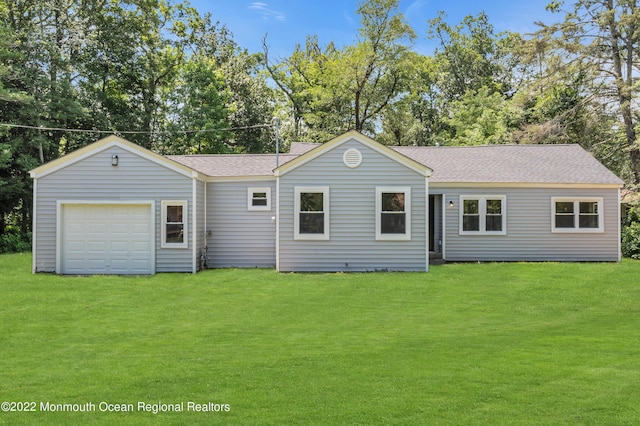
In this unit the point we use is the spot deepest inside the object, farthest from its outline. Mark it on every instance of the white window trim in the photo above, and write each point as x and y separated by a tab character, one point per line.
185	226
576	201
253	190
407	207
482	213
324	190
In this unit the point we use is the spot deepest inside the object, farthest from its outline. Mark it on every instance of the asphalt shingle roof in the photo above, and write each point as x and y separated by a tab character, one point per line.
565	164
511	164
233	165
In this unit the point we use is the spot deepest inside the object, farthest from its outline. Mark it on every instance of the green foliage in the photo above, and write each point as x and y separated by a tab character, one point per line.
481	118
631	234
472	56
330	91
142	66
201	95
13	241
599	38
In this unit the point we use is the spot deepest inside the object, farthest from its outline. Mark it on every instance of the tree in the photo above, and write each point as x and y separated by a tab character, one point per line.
465	96
330	91
601	37
480	118
198	101
471	56
251	107
135	66
415	118
302	78
375	67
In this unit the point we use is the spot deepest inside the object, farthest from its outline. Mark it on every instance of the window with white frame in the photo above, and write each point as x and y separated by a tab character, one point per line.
311	216
174	224
484	215
393	213
259	199
576	214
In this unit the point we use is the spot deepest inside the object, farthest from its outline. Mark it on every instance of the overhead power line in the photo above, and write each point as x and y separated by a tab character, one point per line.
131	132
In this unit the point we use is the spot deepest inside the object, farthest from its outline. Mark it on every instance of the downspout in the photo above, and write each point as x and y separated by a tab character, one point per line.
205	236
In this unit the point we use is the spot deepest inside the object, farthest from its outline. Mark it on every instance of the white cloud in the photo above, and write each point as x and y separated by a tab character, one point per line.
267	14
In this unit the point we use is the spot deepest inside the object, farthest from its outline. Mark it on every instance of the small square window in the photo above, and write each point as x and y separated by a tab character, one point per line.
259	199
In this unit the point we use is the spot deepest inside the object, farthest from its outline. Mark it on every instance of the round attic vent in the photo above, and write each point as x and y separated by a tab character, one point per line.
352	158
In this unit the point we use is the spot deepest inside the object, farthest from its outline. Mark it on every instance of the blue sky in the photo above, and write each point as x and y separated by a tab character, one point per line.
288	22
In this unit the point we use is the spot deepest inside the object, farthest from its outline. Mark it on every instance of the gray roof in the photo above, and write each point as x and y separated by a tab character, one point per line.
299	148
564	164
233	165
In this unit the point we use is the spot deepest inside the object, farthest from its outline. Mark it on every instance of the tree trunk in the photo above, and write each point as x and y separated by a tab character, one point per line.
356	112
624	87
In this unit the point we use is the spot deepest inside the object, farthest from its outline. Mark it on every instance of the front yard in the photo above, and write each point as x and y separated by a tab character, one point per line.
517	343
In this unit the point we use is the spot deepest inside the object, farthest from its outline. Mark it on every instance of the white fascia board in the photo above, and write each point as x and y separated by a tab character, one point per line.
107	143
437	185
240	178
358	137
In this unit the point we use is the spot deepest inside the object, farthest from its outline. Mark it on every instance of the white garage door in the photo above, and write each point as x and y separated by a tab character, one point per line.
106	239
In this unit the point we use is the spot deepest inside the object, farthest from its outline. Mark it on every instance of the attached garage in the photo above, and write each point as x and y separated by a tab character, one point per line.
116	208
106	238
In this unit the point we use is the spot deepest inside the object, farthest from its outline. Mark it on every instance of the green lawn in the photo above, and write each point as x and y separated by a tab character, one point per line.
515	343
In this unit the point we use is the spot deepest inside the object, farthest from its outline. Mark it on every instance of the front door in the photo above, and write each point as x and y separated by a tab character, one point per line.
435	223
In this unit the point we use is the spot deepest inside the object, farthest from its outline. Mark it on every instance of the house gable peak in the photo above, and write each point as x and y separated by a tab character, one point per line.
106	143
364	140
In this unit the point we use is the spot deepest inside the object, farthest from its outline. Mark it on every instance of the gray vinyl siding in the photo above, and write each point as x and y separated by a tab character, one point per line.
238	237
94	178
352	245
529	236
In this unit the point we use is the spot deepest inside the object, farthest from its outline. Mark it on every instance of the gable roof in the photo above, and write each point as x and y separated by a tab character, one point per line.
507	164
545	164
299	148
106	143
233	165
410	163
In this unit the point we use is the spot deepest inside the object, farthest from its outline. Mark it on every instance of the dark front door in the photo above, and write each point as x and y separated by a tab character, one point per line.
432	223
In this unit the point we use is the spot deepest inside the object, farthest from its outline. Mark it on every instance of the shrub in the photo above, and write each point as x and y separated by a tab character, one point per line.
15	242
631	234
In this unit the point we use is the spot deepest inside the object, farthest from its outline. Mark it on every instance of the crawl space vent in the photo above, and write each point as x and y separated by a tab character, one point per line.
352	158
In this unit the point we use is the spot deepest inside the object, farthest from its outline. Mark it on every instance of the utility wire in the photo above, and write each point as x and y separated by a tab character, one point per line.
132	132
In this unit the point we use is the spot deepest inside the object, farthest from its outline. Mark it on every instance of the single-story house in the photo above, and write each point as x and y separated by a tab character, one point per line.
350	204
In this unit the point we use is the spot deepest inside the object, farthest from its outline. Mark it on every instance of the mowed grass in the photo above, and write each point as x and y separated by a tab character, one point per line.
515	343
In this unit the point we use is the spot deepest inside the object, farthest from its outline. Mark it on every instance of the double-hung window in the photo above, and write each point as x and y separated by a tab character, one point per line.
393	213
174	224
576	214
311	215
259	199
484	214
